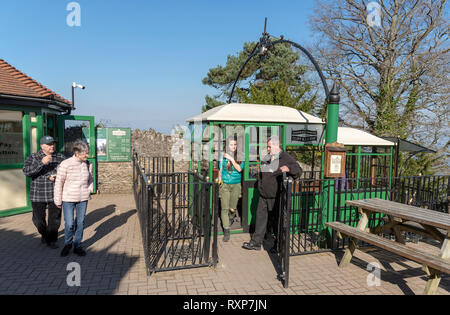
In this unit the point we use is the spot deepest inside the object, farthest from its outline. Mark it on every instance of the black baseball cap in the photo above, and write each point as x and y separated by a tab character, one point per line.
47	140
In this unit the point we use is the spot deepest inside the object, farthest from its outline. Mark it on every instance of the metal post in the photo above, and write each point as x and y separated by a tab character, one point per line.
331	136
333	114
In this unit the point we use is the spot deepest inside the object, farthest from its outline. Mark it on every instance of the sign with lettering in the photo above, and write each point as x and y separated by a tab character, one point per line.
113	144
335	155
303	134
11	137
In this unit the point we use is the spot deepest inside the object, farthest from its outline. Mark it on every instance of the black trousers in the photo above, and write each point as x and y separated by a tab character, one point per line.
48	231
266	215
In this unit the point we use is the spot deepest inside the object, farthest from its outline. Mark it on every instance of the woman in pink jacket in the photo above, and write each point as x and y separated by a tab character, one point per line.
73	186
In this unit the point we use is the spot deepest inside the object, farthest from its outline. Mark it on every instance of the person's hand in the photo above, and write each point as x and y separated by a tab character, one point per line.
59	206
284	169
52	178
46	159
228	157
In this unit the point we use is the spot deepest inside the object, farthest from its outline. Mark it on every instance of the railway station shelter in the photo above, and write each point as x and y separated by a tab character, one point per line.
301	134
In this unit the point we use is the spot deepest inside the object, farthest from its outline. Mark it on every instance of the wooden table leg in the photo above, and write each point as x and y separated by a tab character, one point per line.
387	227
435	276
398	234
353	242
394	224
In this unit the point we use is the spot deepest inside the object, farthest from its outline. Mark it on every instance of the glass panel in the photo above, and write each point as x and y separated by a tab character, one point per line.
258	137
51	125
253	144
237	131
253	171
33	140
11	137
75	130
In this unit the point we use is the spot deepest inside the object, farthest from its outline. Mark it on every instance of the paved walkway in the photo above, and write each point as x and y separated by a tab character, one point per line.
115	264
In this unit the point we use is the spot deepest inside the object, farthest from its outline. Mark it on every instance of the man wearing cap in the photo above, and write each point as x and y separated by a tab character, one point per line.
41	167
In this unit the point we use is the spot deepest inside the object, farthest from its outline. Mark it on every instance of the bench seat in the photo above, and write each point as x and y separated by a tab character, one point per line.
426	259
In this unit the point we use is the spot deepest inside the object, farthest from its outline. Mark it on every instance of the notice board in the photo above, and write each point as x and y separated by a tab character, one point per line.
113	144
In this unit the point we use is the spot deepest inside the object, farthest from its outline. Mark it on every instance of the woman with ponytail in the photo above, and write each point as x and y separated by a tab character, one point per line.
230	176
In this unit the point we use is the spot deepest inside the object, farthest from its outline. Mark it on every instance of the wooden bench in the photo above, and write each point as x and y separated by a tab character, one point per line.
429	260
401	218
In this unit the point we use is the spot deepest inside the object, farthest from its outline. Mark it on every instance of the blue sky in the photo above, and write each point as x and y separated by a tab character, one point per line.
142	61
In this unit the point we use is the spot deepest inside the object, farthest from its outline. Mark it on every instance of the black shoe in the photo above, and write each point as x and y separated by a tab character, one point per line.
226	235
79	251
66	250
251	246
52	245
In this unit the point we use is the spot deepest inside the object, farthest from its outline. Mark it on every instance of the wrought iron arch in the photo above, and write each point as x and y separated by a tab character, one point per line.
263	47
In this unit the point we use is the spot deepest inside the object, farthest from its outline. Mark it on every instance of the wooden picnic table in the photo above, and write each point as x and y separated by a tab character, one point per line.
401	217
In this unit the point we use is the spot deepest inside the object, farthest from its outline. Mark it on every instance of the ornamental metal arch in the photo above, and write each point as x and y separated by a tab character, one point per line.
263	47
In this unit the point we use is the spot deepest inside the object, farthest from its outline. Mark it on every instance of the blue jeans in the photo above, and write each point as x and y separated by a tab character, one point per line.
74	228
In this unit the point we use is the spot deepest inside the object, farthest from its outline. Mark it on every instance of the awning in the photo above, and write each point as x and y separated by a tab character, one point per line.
256	113
408	146
352	136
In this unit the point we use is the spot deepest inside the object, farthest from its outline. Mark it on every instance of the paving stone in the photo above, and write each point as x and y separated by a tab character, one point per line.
115	264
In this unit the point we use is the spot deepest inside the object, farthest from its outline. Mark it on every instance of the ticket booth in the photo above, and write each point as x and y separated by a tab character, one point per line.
28	111
253	125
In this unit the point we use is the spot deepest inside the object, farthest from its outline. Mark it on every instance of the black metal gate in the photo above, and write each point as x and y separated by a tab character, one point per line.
178	218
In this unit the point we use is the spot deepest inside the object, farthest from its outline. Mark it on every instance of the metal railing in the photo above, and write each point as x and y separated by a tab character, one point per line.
315	201
156	164
178	214
431	192
307	203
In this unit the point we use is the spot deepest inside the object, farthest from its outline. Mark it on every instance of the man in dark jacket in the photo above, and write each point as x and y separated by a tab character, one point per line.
273	166
41	167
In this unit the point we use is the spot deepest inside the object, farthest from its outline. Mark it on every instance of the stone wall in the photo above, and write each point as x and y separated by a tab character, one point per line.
116	177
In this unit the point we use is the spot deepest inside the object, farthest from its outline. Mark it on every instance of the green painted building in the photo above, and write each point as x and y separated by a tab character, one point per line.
28	111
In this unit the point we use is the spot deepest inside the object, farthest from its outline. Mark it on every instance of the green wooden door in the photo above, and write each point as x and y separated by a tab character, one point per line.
72	128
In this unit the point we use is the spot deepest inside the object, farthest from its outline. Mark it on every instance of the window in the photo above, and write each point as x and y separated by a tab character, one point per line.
11	137
258	137
75	130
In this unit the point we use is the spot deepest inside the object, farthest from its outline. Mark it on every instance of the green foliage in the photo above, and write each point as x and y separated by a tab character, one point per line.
211	103
421	163
275	79
277	93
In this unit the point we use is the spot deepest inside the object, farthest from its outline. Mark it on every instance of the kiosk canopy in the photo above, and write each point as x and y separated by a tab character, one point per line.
256	113
352	136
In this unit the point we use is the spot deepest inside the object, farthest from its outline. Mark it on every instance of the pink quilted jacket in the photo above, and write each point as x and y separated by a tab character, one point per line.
74	182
